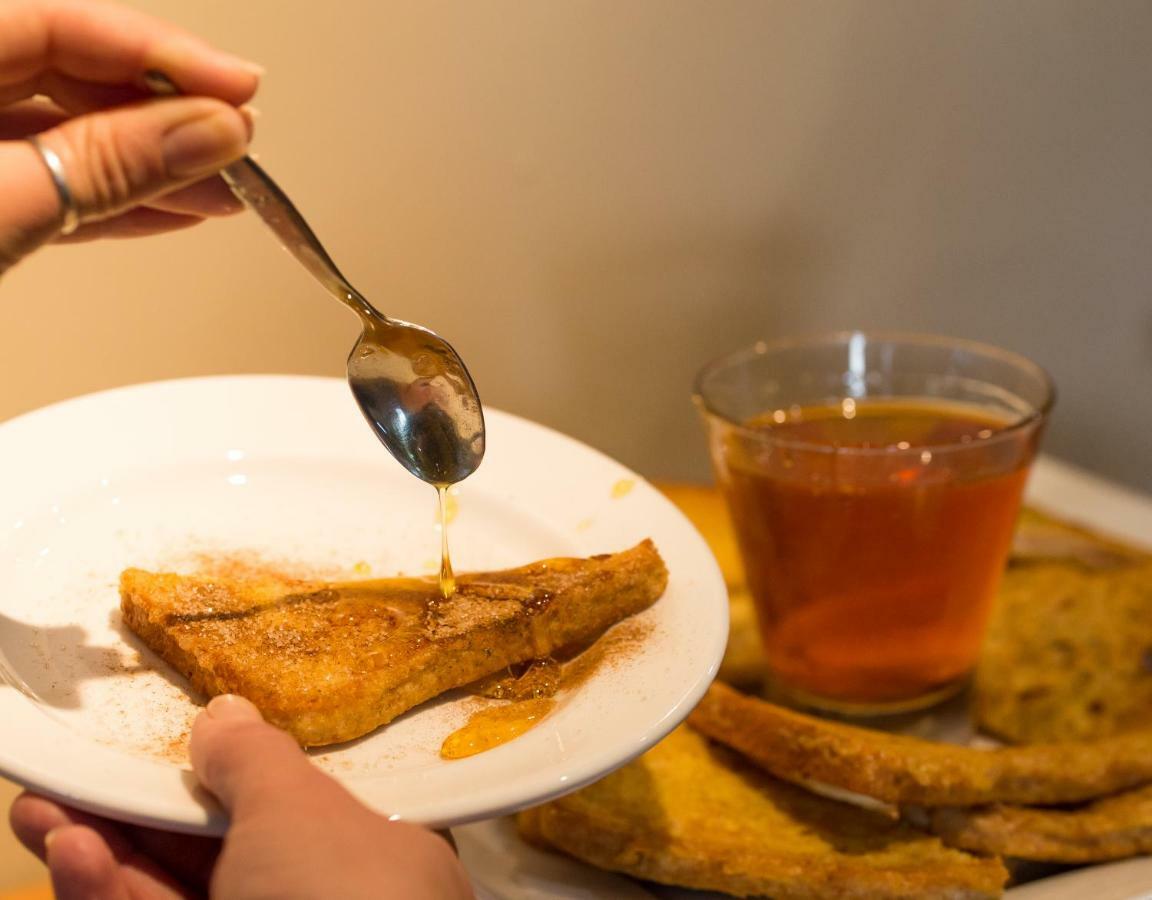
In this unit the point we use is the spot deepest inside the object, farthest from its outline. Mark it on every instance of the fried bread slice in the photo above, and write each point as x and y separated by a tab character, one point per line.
1068	653
911	771
1111	828
331	662
1041	537
693	814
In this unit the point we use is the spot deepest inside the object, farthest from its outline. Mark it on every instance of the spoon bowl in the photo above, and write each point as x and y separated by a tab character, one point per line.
410	384
418	399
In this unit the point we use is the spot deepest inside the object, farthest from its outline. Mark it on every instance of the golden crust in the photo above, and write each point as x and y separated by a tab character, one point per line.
1068	653
910	771
1111	828
1045	538
692	814
329	663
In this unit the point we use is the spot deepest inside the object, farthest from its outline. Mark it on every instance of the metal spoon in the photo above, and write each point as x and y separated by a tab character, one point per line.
412	387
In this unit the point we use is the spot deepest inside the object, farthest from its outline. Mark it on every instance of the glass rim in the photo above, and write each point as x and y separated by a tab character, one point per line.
762	348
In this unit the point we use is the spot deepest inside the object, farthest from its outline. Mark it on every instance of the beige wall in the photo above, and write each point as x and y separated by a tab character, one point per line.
591	198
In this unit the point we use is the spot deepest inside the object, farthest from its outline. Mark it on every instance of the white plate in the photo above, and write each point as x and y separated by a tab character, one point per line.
505	868
284	466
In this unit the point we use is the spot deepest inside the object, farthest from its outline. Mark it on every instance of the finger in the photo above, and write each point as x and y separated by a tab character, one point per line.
82	867
172	212
188	857
73	94
114	160
210	197
34	817
118	158
138	222
50	108
78	96
29	117
252	767
109	44
153	862
296	826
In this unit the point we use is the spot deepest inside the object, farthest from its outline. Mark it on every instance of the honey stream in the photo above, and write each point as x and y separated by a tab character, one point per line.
531	688
447	577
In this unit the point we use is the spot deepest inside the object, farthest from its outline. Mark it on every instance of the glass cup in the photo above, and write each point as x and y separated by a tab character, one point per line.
874	482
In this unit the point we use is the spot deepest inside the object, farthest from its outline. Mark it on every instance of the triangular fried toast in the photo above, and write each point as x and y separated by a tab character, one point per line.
331	662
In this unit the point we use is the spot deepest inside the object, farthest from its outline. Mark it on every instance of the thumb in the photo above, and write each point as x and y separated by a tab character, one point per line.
253	767
82	865
115	159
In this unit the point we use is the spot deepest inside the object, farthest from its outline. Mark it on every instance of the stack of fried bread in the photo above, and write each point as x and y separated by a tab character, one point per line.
741	800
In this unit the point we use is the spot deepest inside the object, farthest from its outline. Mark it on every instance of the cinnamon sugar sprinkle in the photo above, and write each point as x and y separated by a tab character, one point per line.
318	605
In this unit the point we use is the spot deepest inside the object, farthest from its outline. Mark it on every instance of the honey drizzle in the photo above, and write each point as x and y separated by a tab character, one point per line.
532	686
447	577
494	726
538	678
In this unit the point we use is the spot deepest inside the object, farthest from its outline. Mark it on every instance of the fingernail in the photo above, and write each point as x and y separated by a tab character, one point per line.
50	837
246	64
204	145
250	114
255	68
230	708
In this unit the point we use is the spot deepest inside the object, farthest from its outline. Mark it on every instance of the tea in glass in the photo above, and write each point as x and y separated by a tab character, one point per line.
874	484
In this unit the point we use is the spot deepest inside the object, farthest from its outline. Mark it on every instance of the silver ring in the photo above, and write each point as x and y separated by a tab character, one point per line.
68	210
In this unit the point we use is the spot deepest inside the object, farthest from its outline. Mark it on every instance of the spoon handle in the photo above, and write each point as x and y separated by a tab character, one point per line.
264	197
260	193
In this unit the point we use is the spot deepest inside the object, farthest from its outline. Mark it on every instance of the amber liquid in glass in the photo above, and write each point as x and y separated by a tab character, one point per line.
874	573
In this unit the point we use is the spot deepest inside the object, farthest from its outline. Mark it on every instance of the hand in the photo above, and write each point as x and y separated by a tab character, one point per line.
295	833
71	71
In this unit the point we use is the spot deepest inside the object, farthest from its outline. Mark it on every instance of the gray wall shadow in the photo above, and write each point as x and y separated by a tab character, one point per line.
50	663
